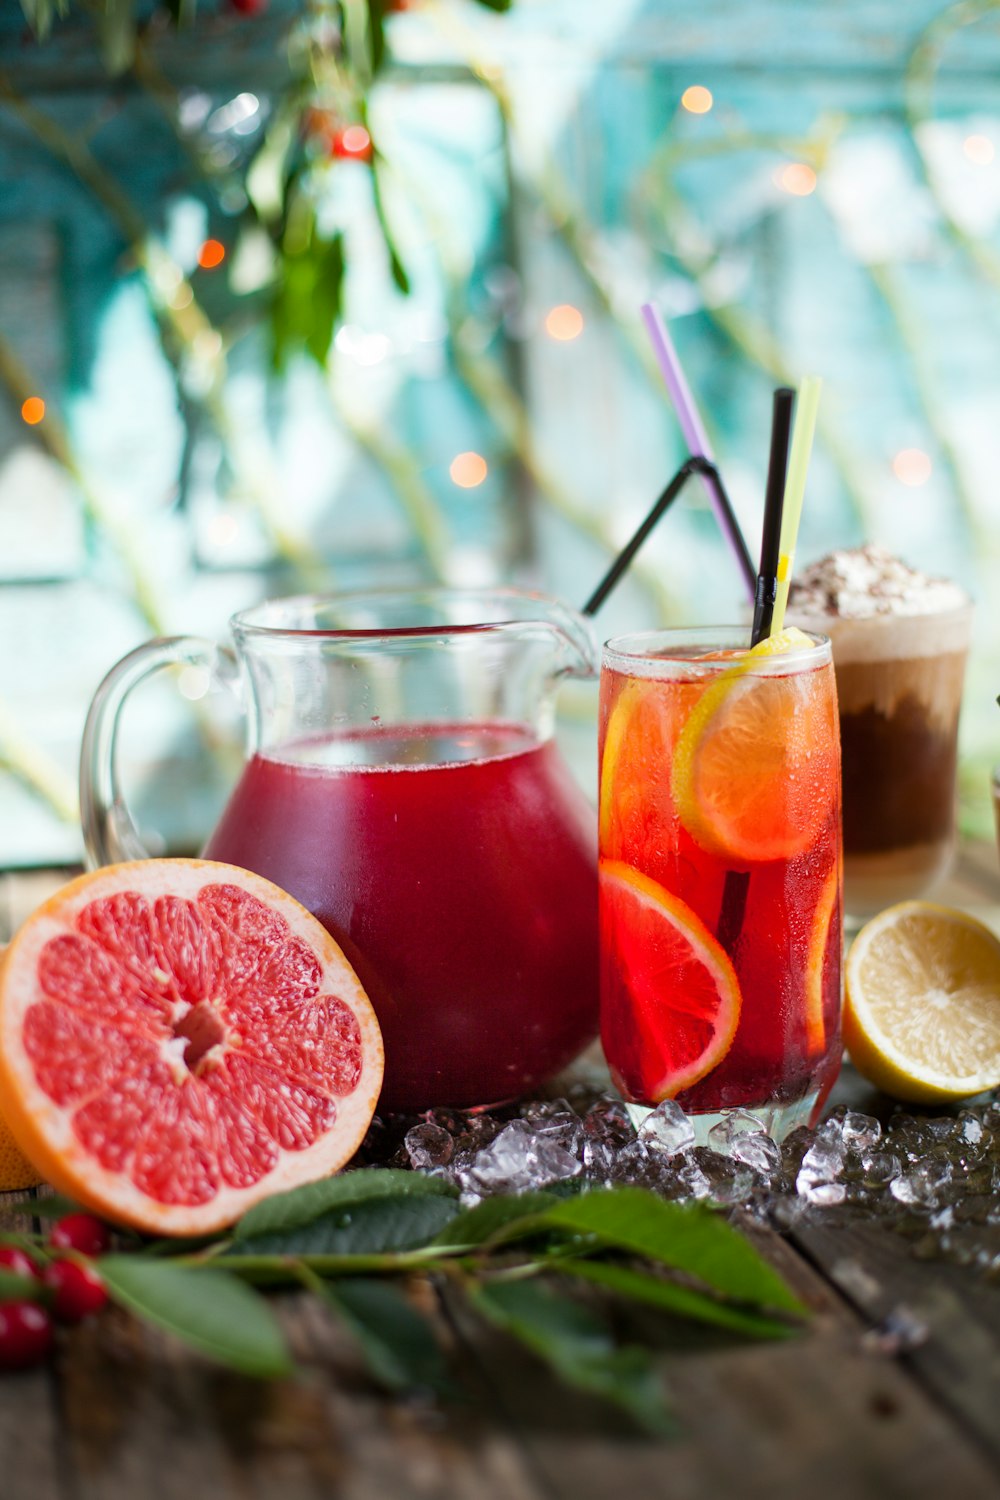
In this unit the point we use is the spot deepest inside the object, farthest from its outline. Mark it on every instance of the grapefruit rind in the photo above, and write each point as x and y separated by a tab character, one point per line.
43	1129
16	1171
707	951
963	991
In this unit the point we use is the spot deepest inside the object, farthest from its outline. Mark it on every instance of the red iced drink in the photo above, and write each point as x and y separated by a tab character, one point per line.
720	875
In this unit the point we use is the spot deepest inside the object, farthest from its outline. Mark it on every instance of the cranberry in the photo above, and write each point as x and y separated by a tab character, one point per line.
12	1259
78	1290
25	1334
82	1233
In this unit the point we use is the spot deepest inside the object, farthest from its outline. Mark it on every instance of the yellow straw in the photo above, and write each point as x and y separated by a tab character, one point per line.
803	429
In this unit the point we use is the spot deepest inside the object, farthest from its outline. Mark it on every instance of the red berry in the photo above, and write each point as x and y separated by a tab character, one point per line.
79	1291
248	7
12	1259
25	1334
82	1233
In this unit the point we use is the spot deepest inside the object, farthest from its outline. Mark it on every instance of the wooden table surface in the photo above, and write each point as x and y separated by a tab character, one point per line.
123	1413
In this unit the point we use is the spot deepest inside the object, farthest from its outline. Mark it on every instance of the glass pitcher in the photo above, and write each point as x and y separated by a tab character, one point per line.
403	784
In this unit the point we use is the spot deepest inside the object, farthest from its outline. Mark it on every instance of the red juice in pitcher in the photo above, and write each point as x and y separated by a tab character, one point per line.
455	864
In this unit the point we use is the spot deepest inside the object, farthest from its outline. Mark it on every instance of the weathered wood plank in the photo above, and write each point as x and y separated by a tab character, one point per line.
144	1417
960	1360
815	1416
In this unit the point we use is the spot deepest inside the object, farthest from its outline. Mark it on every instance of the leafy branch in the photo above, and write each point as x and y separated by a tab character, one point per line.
528	1265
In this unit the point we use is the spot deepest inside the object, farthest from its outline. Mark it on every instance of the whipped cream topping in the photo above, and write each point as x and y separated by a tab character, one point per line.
858	583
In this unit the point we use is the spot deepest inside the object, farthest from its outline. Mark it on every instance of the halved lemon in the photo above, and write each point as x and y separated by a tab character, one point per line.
670	999
755	767
922	1018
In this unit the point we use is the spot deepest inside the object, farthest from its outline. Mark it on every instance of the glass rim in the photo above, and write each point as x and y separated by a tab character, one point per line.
671	650
288	615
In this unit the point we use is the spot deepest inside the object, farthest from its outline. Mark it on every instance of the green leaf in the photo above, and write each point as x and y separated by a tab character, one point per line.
208	1309
116	21
475	1226
577	1346
376	33
688	1237
398	1343
51	1206
303	1204
306	304
15	1288
683	1301
357	39
498	5
396	266
374	1226
328	283
41	13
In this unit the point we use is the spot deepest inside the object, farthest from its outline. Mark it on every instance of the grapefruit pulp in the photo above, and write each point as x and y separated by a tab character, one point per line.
179	1039
670	999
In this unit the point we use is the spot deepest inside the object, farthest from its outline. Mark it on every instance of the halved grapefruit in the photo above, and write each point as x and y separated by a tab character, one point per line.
179	1039
670	998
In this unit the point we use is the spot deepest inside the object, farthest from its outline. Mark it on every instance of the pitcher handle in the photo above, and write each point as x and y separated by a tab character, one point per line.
109	833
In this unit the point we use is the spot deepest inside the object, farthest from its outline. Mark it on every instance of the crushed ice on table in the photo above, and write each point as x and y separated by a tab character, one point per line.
932	1178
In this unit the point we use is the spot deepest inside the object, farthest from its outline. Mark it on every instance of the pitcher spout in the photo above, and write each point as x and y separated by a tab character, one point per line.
577	653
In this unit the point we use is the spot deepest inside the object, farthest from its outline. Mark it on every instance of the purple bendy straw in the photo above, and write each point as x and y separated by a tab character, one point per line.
696	438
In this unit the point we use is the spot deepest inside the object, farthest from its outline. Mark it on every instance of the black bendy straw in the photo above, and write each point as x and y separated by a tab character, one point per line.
774	499
736	886
693	465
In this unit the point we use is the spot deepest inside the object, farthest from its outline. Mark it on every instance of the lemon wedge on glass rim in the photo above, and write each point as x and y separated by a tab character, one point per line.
922	1011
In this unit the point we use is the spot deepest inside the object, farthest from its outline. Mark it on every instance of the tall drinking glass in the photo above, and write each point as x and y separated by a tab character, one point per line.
720	875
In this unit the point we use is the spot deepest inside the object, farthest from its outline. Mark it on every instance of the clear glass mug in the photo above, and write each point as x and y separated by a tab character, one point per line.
720	875
402	782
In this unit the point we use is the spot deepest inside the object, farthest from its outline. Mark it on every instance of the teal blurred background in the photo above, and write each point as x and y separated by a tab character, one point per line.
826	200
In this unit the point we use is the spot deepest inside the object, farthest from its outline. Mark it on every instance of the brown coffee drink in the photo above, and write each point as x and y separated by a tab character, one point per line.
900	641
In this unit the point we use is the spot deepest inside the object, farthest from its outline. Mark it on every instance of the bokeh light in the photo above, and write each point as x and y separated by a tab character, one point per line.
797	178
355	141
564	322
979	149
211	254
912	466
697	99
193	682
468	469
33	410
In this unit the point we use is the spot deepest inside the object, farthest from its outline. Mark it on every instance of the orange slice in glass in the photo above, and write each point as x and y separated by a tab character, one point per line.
819	939
755	766
635	781
670	997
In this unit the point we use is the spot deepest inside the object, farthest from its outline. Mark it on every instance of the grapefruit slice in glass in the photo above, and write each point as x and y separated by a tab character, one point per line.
179	1039
670	999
